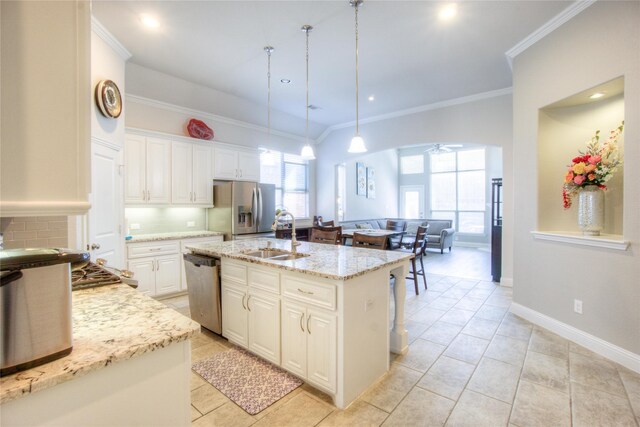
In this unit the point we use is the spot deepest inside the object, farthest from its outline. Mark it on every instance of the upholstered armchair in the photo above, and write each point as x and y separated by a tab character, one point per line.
440	234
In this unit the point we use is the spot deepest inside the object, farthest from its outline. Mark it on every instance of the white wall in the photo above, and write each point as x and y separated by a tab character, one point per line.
598	45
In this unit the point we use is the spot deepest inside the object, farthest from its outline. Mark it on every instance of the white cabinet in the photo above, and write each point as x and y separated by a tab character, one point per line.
251	315
46	98
236	164
183	250
191	174
156	267
147	163
309	344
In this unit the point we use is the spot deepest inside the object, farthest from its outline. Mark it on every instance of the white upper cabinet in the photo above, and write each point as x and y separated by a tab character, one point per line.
237	164
147	164
192	174
46	100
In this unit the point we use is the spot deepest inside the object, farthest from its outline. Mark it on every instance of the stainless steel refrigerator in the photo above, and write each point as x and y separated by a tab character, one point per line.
242	208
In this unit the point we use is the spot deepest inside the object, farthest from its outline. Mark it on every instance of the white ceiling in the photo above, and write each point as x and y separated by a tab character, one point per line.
408	57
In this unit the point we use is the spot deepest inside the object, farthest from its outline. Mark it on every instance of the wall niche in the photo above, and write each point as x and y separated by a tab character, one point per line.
564	128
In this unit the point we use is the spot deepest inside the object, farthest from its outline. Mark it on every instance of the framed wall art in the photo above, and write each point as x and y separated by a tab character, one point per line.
371	183
361	179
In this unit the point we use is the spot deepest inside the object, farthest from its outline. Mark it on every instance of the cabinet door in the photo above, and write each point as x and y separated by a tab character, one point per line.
321	349
168	274
249	166
264	326
158	170
294	339
181	167
234	314
226	163
134	170
202	175
144	270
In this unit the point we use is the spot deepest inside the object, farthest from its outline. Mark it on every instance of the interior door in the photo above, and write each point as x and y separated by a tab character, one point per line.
412	201
106	213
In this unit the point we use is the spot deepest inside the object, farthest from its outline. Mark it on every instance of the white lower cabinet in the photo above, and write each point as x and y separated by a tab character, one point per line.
156	266
309	338
234	314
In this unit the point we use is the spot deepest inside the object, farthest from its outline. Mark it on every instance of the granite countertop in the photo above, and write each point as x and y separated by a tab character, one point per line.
330	261
173	236
110	324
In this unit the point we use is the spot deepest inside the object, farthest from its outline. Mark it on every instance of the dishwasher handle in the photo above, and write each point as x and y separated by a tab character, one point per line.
201	260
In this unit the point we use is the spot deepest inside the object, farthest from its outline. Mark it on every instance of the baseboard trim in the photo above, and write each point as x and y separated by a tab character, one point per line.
597	345
506	281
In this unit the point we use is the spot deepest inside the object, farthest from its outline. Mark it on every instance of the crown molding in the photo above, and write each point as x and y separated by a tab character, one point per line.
550	26
420	109
109	39
203	114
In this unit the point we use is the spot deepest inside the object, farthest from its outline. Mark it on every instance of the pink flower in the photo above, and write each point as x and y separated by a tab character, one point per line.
579	179
595	159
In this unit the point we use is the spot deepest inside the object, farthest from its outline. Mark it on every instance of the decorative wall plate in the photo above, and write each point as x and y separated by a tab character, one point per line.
108	98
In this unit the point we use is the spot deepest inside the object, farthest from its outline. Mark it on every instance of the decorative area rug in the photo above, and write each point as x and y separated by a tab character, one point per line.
250	382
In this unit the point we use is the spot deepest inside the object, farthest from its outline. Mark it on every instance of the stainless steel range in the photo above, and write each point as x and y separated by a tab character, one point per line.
93	275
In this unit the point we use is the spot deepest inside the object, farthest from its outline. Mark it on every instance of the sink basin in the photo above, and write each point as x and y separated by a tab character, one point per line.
275	254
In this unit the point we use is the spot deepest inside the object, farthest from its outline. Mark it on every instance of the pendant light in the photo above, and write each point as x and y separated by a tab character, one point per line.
307	150
357	143
268	157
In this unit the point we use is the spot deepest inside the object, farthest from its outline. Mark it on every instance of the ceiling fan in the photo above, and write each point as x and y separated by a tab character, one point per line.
441	148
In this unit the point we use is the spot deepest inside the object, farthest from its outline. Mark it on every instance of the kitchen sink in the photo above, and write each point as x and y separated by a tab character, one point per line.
275	254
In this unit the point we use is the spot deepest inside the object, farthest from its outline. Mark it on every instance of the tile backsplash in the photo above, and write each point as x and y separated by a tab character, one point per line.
34	232
164	220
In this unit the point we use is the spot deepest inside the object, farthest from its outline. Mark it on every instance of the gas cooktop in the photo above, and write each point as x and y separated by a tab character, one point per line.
92	275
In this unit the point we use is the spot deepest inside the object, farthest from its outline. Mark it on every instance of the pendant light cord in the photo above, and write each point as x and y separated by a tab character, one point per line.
306	133
357	112
269	49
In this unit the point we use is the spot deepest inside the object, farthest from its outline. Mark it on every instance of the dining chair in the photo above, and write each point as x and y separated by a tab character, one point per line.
418	249
370	242
322	235
332	228
396	241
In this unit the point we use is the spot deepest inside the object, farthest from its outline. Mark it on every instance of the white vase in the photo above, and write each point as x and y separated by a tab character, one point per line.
591	210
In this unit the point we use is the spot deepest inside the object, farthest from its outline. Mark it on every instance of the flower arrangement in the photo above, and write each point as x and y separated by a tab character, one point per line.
594	167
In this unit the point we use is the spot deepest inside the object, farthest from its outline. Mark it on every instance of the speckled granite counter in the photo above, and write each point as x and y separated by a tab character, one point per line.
329	261
110	324
173	236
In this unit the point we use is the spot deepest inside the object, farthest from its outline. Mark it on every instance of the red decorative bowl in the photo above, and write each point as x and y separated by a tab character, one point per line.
198	129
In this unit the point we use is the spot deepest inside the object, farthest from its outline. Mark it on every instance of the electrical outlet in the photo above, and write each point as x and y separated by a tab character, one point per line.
191	223
577	306
134	226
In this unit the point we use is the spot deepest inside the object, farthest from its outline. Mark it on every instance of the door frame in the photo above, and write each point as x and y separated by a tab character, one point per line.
403	189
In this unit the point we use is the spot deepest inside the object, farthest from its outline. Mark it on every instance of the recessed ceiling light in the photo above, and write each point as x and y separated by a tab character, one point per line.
448	11
286	81
371	98
149	21
597	95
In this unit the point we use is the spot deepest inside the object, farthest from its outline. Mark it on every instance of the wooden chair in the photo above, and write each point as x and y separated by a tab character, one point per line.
332	228
326	223
322	235
371	242
395	242
418	249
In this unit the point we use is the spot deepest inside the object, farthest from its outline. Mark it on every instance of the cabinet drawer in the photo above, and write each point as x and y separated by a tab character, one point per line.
264	279
233	271
144	250
319	294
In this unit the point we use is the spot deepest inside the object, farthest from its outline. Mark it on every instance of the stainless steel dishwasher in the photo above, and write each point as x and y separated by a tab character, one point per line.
203	283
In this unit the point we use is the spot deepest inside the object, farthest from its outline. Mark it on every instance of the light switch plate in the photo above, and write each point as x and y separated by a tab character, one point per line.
134	226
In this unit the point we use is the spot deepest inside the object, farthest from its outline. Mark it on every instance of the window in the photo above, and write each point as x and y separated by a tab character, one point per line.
412	164
341	191
458	189
290	174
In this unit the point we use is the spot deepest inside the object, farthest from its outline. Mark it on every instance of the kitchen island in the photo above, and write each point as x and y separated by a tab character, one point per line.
324	315
130	365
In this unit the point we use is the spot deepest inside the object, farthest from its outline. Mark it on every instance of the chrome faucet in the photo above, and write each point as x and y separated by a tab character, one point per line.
294	242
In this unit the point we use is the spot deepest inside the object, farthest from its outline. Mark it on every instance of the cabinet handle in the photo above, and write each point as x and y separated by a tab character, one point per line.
243	297
305	292
194	196
240	173
153	266
190	196
158	264
154	249
248	307
301	317
144	195
308	329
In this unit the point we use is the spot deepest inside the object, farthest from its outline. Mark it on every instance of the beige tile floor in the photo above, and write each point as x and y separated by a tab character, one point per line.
470	363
